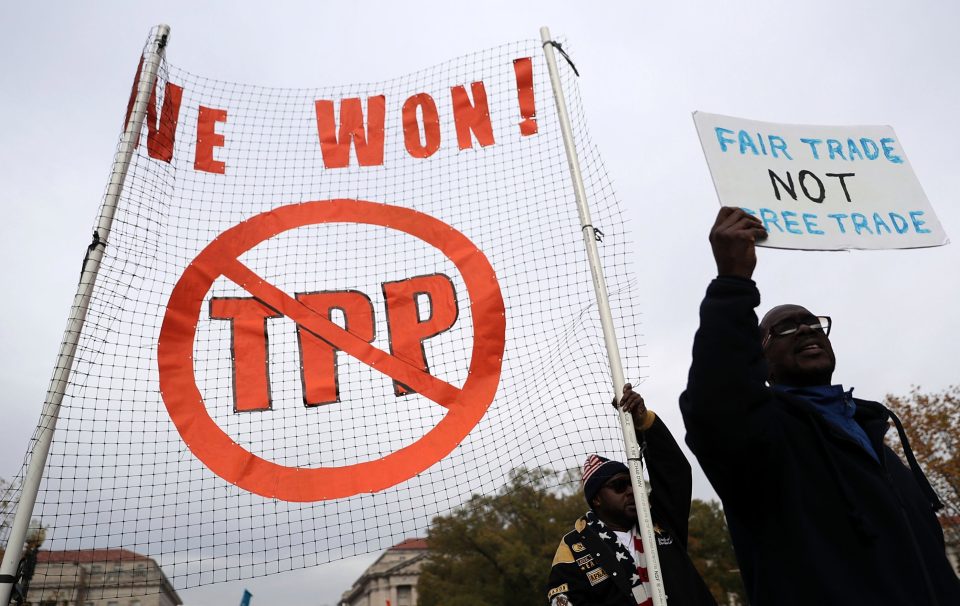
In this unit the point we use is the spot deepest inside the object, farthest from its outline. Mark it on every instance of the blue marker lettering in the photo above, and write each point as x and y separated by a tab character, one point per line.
777	142
810	224
835	149
763	147
749	211
746	141
723	142
852	149
887	144
860	223
839	218
878	223
769	218
870	148
899	223
790	223
813	143
917	223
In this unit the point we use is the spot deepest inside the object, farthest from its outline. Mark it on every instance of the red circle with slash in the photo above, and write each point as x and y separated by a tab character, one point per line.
231	461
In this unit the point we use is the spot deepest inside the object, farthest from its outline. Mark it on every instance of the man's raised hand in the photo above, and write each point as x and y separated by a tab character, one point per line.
733	237
633	403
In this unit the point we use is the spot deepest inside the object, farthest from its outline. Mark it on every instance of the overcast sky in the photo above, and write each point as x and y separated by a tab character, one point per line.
67	67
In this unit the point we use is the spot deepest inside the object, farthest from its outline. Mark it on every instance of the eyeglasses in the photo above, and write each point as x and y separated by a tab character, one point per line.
619	485
789	327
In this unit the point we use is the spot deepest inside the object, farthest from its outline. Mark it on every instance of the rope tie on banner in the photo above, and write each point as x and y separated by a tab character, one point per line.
560	50
597	234
92	246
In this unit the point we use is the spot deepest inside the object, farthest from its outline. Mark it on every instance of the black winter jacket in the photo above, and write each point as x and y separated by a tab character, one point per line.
585	571
814	519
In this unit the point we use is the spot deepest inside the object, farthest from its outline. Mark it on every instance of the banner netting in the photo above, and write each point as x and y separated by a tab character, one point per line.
121	473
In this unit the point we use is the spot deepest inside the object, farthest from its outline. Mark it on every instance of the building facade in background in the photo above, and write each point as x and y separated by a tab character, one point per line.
392	579
99	577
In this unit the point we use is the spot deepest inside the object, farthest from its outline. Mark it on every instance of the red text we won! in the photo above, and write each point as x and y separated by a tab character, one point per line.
346	128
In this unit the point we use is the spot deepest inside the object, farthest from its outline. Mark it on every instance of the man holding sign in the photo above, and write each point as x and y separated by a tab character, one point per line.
820	510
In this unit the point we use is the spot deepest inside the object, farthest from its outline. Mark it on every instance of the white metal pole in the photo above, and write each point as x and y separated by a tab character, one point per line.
609	331
58	383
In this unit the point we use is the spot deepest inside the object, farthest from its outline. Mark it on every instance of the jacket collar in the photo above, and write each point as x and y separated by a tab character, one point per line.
875	420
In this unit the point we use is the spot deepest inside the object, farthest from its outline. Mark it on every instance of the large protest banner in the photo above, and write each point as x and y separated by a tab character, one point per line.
820	187
325	316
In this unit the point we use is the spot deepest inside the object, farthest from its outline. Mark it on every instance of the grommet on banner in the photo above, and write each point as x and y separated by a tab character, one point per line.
562	52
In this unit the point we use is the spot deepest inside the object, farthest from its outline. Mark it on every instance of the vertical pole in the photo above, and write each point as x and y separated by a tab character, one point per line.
609	332
78	313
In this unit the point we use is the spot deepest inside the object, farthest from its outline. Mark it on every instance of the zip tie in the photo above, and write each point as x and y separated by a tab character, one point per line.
597	234
559	48
95	242
90	248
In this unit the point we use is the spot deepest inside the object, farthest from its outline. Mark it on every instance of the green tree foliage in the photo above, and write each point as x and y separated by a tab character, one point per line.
497	550
932	423
37	532
711	551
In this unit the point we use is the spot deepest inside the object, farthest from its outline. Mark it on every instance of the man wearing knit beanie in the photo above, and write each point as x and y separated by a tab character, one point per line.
601	561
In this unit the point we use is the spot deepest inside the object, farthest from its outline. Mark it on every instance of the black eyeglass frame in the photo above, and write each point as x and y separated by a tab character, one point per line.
620	485
823	324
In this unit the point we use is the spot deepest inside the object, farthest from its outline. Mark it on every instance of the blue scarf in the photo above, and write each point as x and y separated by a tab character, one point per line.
836	407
